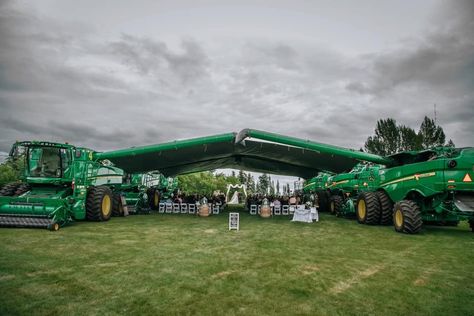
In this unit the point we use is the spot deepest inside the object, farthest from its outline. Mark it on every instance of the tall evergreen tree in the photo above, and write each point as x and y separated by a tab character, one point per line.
386	139
263	184
241	176
409	139
431	135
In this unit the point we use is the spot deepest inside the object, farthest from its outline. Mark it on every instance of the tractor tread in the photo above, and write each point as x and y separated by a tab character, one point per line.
386	208
338	202
9	189
22	188
94	203
372	207
117	207
323	200
412	221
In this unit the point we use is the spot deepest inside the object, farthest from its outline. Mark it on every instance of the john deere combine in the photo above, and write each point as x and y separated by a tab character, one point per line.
61	183
344	189
427	186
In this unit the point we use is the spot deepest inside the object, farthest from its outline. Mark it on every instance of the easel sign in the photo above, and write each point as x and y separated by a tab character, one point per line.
234	221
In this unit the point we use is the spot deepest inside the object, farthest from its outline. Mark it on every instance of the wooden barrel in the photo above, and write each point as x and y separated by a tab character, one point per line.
204	210
265	211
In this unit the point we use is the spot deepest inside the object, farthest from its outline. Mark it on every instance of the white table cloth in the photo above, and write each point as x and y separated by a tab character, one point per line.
305	215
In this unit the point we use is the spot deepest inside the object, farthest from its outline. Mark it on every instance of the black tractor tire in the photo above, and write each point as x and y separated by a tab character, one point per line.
9	189
368	208
323	200
407	217
22	188
117	207
386	208
153	198
335	204
99	204
471	224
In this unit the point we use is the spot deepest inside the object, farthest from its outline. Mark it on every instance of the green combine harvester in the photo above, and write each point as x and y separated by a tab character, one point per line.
431	186
344	189
62	183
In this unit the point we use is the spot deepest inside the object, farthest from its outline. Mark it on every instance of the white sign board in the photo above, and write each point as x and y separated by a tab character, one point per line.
234	221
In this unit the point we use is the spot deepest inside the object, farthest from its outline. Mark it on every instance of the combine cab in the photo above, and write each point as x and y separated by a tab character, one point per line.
61	183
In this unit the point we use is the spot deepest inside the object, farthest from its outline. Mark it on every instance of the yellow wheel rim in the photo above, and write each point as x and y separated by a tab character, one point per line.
56	226
106	205
398	218
156	200
361	209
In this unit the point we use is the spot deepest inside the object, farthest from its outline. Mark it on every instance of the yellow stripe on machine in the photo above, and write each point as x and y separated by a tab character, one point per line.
412	177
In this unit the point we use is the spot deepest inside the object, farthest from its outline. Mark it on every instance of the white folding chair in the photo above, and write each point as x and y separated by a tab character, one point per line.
192	208
161	208
253	209
292	209
184	208
169	208
284	210
277	210
259	207
176	208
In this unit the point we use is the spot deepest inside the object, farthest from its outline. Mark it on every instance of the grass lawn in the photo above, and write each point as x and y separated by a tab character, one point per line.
164	264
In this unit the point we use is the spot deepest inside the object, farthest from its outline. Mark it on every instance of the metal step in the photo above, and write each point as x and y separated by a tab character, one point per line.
24	221
464	201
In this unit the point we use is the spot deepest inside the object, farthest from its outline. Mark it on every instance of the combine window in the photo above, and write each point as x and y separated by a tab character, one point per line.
49	162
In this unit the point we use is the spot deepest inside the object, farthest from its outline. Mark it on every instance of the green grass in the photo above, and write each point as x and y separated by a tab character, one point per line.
181	264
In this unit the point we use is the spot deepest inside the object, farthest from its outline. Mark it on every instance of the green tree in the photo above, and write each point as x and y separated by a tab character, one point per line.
278	187
263	184
431	135
242	178
11	170
409	139
386	140
391	138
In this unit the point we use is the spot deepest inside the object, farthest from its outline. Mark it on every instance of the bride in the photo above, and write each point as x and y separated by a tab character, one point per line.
235	198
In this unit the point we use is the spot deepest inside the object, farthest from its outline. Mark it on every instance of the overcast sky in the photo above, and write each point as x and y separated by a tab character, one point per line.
114	74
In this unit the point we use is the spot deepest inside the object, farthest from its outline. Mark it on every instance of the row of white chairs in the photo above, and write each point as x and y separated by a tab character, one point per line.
276	210
184	208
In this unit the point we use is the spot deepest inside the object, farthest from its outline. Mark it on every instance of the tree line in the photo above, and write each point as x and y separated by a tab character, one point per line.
391	138
210	181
